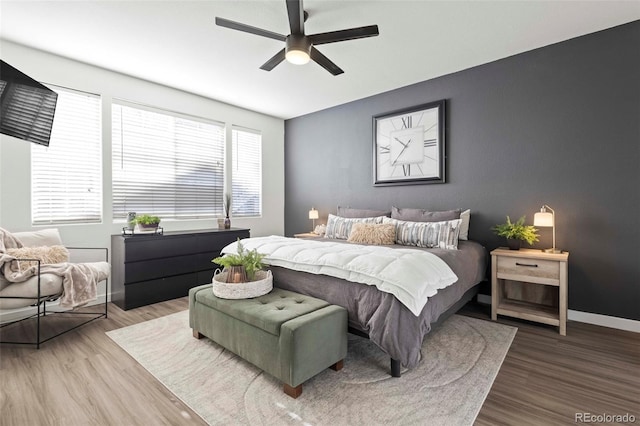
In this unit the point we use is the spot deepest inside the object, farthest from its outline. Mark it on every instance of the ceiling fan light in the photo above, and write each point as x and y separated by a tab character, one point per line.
298	49
297	57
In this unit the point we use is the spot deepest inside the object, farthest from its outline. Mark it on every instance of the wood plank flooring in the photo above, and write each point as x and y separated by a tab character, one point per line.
547	378
83	378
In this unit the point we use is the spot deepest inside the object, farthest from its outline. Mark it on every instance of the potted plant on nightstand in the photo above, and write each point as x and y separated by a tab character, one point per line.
516	233
242	276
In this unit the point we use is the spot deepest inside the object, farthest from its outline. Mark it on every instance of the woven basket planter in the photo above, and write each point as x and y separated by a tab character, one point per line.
263	284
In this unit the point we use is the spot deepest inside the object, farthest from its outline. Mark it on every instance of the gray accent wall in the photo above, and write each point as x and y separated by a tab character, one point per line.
559	125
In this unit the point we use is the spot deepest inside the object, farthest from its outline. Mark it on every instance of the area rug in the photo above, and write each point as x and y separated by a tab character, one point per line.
460	360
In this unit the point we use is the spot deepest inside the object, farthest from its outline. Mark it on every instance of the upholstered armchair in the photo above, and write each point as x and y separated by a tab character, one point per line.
37	269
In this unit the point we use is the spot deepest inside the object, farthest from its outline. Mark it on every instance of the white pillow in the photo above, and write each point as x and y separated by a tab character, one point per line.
340	227
465	216
44	237
442	235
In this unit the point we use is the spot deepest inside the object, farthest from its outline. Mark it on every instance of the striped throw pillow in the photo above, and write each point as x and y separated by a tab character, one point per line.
340	227
442	235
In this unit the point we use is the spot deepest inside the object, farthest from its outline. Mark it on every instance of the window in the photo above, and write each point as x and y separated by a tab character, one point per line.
246	173
166	164
66	177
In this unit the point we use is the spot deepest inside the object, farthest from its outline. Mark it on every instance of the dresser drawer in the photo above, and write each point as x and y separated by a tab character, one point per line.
529	270
215	243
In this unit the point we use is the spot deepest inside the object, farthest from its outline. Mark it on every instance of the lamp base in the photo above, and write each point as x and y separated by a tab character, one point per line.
552	250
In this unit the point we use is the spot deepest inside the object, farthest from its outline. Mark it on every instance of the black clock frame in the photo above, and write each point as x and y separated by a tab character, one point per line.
441	145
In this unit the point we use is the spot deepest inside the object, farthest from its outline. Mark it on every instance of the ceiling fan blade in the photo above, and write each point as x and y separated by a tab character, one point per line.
248	29
325	62
275	60
296	16
342	35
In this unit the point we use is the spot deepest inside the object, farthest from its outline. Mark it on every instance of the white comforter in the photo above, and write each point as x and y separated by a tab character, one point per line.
412	276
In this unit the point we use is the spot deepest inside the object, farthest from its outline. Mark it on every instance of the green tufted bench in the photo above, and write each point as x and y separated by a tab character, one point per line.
288	335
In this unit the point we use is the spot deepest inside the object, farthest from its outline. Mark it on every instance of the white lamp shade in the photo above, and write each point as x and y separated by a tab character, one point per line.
297	57
313	214
543	219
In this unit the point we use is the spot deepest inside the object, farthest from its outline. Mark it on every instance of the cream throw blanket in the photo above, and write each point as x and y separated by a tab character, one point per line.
79	280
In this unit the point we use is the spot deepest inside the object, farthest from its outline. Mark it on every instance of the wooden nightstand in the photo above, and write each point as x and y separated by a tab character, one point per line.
307	235
531	285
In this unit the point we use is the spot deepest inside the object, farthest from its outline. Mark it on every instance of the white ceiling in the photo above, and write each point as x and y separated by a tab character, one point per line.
176	43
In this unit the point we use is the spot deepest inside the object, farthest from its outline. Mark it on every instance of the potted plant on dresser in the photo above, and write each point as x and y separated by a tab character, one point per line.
147	222
516	233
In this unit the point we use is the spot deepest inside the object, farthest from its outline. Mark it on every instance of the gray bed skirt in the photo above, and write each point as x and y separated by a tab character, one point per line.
379	315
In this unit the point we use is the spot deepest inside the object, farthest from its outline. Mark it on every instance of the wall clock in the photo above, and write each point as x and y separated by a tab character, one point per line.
408	146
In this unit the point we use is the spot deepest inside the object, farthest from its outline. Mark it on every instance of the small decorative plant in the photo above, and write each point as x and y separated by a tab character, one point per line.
227	205
147	220
227	210
517	231
251	260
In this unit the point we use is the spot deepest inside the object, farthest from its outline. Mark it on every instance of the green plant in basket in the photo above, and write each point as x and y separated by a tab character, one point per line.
517	231
250	259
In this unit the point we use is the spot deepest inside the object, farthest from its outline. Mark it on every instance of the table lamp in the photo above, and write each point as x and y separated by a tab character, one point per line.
544	218
313	215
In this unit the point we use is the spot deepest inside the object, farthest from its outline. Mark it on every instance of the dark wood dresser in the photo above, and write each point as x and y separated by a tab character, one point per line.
152	268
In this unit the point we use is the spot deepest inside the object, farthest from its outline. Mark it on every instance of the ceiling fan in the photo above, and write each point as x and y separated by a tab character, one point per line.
299	47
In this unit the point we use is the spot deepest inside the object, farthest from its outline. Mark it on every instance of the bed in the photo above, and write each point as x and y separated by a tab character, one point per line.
379	315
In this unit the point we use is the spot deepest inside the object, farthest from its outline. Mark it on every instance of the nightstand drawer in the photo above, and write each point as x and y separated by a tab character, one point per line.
529	270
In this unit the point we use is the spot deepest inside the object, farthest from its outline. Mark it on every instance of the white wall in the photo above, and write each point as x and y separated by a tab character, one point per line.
15	177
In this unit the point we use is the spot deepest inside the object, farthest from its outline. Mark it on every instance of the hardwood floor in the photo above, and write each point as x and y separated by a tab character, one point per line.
83	378
546	379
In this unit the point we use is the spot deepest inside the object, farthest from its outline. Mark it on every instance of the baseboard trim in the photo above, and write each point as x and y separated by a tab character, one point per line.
588	318
605	320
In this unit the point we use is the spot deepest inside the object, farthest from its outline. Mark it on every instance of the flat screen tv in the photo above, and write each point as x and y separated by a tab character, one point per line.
26	106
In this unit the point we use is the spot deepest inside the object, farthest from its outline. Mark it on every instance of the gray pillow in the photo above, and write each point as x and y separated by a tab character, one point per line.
349	212
421	215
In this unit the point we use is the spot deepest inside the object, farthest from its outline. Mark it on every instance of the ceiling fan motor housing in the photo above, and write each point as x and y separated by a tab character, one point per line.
298	48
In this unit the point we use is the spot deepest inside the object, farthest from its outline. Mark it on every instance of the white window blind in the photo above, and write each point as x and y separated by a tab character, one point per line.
166	164
66	177
246	174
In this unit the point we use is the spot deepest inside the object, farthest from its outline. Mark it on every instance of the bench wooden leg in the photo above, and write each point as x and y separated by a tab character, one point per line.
291	391
197	334
338	365
395	368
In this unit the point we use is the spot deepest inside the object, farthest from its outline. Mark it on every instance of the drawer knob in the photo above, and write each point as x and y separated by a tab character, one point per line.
531	265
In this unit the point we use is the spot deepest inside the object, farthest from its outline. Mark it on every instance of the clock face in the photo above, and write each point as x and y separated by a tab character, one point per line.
409	146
